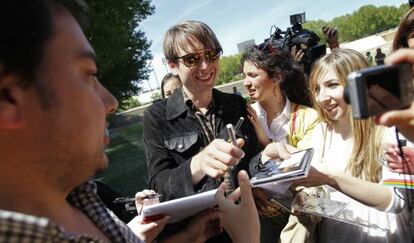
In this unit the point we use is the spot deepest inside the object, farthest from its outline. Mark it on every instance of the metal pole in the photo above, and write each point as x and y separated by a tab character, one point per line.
155	75
149	84
164	61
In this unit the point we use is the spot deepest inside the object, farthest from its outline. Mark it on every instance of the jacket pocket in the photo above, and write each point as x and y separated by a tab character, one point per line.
181	143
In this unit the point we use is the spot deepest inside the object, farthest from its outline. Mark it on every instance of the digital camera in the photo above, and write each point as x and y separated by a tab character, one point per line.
377	89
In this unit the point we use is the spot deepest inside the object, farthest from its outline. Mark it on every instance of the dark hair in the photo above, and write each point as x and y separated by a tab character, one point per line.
26	25
405	30
168	77
294	82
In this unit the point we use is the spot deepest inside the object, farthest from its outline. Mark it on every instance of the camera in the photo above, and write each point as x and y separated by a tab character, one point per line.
296	36
377	89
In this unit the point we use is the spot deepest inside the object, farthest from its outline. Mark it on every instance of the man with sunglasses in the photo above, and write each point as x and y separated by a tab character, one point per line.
186	142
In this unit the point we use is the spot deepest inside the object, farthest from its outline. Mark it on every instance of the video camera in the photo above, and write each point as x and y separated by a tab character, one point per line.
296	36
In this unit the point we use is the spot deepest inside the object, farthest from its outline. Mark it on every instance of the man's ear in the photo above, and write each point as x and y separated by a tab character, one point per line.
11	116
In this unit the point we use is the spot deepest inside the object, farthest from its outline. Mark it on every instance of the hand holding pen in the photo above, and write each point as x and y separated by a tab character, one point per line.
215	159
141	199
145	198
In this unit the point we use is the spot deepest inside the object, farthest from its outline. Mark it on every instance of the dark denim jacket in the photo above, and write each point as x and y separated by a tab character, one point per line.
173	135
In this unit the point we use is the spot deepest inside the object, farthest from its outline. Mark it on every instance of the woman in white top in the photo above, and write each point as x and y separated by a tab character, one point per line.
281	113
278	87
347	152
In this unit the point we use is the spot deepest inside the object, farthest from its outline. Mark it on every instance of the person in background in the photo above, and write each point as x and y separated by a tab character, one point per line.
379	57
52	131
280	113
331	37
170	82
370	60
235	91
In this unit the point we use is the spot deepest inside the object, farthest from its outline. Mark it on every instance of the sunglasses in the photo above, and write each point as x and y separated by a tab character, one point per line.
194	59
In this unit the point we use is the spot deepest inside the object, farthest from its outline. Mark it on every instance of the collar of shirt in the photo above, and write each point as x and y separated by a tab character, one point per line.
29	228
278	129
190	103
207	120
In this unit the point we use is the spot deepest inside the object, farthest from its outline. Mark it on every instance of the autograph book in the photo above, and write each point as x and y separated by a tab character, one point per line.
297	166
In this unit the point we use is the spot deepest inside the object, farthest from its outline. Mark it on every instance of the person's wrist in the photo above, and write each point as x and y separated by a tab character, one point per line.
333	44
194	166
332	177
197	172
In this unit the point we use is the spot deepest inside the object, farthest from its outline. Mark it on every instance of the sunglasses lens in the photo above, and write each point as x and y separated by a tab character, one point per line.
192	59
211	55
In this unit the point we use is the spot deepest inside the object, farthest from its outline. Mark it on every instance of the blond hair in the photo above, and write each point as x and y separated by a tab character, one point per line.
367	136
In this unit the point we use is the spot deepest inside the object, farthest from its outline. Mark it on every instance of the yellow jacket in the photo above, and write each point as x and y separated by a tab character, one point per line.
302	121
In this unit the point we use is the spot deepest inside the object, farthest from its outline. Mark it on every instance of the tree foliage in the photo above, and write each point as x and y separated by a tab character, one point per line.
365	21
229	68
121	46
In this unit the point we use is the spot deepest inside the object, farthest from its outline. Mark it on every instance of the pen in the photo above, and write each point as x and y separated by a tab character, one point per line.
239	124
132	199
227	175
232	134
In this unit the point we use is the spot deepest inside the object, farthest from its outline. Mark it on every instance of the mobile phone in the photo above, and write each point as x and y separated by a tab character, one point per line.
378	89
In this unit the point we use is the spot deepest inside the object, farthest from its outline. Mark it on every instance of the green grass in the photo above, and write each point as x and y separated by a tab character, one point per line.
127	171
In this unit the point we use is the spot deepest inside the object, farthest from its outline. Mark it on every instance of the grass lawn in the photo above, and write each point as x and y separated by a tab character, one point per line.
127	171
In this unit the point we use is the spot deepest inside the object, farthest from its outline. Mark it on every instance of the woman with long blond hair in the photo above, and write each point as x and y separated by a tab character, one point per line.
347	152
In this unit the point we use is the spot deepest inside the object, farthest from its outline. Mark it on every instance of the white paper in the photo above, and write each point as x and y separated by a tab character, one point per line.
181	208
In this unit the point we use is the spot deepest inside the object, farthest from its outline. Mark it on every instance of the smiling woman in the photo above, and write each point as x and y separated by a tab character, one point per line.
356	172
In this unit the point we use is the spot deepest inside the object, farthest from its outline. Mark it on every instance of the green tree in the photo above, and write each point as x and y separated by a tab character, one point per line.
365	21
229	68
121	46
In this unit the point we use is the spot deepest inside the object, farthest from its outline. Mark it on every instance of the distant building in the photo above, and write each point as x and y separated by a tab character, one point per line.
245	45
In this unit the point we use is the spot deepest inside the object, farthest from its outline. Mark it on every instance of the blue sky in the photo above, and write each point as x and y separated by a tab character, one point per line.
235	21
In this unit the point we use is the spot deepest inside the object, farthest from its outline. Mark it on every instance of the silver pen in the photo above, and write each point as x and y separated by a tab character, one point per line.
239	124
227	174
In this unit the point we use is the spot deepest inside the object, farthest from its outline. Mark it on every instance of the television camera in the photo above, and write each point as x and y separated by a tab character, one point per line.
303	39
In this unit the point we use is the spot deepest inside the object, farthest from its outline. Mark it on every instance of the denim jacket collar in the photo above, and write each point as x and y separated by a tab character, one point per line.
176	106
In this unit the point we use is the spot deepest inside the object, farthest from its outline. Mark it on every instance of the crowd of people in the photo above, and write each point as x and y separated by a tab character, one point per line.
53	113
